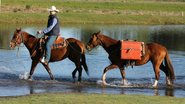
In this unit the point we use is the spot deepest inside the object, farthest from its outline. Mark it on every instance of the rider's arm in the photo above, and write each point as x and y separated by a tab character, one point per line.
48	29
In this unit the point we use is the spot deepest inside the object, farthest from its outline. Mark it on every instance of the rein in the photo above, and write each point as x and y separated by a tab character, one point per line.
22	40
101	43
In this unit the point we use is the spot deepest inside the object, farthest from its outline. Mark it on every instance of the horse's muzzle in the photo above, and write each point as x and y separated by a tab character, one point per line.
12	45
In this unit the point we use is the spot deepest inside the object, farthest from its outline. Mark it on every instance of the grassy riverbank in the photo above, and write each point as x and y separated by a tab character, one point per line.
94	11
76	98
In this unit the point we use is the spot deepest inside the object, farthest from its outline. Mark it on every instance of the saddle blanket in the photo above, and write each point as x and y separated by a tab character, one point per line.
132	50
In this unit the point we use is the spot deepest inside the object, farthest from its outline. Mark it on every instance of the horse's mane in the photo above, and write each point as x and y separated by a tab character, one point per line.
108	38
30	35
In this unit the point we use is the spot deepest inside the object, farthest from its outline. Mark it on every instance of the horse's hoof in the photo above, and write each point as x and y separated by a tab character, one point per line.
154	86
78	83
54	80
169	84
30	79
125	82
104	83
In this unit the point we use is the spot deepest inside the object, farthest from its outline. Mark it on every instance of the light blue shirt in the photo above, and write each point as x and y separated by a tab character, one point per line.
48	29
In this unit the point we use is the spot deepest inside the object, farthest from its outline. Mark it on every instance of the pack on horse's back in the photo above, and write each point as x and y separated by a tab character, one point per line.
132	51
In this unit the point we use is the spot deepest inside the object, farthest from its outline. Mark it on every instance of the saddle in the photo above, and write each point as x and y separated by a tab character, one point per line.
59	43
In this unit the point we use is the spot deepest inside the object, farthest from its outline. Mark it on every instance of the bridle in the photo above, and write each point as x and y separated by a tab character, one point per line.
100	41
97	40
19	39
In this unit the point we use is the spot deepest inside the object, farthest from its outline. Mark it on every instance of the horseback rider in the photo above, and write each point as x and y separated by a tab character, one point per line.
52	31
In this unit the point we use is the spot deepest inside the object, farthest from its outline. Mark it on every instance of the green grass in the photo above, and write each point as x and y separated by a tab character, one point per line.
78	98
87	11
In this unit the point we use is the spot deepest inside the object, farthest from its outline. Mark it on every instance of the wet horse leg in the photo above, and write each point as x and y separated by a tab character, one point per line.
33	65
164	69
79	68
49	71
123	74
156	68
112	66
74	74
76	61
80	74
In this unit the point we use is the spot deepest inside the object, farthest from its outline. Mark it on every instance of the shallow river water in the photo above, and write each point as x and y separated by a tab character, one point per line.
14	64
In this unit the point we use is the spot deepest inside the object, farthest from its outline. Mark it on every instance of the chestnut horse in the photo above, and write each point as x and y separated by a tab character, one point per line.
154	52
74	50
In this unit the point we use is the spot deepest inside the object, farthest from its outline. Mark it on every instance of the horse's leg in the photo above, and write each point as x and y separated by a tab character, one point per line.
33	65
156	68
123	74
112	66
79	68
74	74
80	74
49	71
76	61
164	69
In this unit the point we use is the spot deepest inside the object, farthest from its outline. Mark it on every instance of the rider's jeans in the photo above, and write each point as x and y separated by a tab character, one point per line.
49	44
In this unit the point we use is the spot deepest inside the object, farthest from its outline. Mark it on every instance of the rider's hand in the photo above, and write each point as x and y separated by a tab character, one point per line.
39	32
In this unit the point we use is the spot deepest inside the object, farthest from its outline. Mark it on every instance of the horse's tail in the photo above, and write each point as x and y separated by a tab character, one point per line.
83	62
169	66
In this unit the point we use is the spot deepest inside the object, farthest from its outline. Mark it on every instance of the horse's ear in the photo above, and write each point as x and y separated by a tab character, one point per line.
18	29
98	32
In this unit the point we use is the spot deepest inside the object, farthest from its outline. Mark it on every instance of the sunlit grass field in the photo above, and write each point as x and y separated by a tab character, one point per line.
77	98
94	11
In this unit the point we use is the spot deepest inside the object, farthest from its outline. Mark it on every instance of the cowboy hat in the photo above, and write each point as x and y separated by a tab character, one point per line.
53	8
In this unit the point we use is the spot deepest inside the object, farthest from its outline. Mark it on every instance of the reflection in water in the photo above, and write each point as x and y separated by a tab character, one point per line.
22	87
169	92
172	36
68	87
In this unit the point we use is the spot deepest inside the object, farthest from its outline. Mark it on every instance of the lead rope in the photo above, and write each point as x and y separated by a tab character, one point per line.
17	52
19	45
72	47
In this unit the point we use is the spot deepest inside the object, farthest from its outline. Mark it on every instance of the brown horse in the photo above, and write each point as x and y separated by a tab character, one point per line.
74	50
153	52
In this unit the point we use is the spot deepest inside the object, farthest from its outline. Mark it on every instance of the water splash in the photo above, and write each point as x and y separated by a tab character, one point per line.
24	76
115	83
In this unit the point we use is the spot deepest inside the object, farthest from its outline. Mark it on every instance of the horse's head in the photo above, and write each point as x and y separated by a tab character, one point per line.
94	41
17	38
